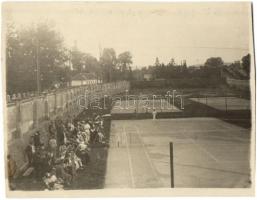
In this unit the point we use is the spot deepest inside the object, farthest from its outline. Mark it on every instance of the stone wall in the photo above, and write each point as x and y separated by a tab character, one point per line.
24	117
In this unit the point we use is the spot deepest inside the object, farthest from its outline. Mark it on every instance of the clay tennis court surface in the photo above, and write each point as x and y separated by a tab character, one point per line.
208	153
143	106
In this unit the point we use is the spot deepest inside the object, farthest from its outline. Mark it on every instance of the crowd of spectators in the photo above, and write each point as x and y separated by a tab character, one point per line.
67	151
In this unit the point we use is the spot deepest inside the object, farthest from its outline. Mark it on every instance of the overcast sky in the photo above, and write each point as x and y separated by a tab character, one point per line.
188	31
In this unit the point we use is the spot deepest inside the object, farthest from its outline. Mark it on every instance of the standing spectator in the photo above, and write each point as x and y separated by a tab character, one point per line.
11	171
52	129
37	141
40	162
60	134
154	114
30	151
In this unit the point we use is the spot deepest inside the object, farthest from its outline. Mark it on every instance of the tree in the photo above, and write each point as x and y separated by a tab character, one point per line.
246	60
124	61
90	62
108	63
212	69
214	62
184	67
157	62
92	65
51	54
172	62
77	60
13	59
28	48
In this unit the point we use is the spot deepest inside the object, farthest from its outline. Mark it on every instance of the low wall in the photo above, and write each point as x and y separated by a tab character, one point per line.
24	117
178	83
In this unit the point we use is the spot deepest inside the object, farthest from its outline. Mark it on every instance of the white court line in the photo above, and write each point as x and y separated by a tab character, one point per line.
237	137
191	131
148	157
203	149
231	127
129	159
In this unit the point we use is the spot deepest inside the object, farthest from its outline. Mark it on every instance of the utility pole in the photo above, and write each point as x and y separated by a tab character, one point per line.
38	68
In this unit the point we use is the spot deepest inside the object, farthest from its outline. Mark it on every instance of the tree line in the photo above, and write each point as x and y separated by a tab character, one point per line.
37	53
211	69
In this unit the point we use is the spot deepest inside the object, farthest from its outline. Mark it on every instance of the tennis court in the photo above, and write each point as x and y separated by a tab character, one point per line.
143	106
224	103
208	153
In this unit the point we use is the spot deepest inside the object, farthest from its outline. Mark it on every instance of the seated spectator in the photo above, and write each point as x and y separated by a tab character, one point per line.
53	146
62	174
87	126
62	151
83	153
100	137
50	179
68	150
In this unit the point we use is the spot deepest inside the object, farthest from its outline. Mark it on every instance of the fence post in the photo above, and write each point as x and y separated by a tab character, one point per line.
67	101
14	98
61	103
46	107
55	103
35	114
18	120
72	101
8	99
19	97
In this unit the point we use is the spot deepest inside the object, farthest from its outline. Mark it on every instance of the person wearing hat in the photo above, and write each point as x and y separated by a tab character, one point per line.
36	137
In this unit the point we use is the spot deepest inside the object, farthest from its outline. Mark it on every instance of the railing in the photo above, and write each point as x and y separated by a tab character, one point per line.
26	114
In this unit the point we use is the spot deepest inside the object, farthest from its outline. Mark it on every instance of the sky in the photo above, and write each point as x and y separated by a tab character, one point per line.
183	31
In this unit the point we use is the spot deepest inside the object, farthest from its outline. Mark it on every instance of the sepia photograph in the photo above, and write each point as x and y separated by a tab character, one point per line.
128	98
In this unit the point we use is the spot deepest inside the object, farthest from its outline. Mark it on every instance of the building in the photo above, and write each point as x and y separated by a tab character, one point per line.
148	77
84	79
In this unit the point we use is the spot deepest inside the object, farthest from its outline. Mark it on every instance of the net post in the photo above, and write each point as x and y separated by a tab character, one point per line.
171	166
